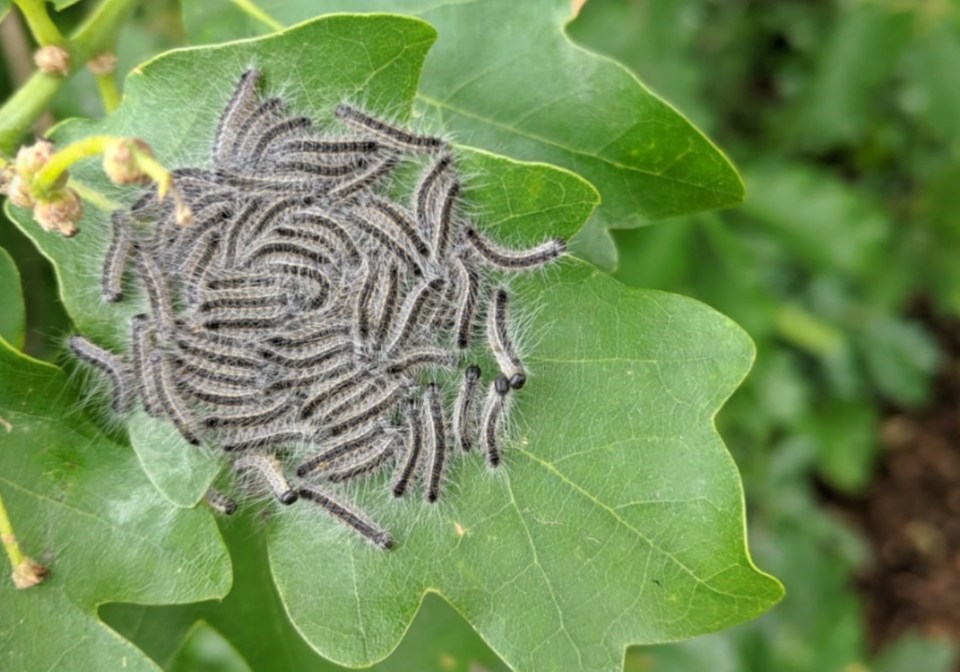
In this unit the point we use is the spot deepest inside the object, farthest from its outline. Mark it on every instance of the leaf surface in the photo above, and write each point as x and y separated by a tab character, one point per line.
81	505
504	76
252	618
173	104
618	516
13	317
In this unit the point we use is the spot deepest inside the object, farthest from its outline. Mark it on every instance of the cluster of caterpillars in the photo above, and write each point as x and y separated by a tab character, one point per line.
306	321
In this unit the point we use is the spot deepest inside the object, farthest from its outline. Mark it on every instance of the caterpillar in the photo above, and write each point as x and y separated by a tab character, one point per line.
307	325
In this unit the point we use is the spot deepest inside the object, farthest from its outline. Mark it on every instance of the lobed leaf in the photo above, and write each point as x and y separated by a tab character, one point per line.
81	505
173	104
439	639
618	516
504	76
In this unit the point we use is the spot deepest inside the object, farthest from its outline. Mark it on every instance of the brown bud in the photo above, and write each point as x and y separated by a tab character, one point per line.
18	191
103	64
28	573
120	163
31	158
60	212
52	60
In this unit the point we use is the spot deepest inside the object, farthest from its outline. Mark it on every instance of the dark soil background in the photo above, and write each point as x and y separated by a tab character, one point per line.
911	513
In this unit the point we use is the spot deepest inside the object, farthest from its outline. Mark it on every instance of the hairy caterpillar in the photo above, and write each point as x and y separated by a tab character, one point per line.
304	326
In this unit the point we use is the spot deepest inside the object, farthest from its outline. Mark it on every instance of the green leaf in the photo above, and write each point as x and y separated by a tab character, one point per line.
179	470
808	209
80	505
914	653
855	61
206	649
654	39
597	246
13	317
901	358
712	653
847	442
505	76
599	514
439	638
707	257
931	92
382	58
618	516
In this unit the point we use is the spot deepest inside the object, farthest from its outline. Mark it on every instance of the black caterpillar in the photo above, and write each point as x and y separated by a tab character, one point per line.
305	308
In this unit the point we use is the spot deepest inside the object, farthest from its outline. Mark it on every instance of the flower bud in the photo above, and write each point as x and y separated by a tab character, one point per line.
103	64
60	212
18	191
28	573
31	158
52	60
120	161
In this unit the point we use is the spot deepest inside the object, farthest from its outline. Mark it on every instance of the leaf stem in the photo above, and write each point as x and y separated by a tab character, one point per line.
44	30
155	171
99	31
109	92
46	179
26	571
96	34
8	538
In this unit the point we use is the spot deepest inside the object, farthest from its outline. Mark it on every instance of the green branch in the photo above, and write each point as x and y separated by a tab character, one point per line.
22	109
109	92
49	176
94	36
8	538
44	30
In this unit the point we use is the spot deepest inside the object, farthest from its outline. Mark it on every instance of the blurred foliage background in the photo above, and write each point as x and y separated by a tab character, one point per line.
843	265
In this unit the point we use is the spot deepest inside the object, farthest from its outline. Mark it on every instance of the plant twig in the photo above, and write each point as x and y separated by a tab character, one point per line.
109	92
26	571
45	32
16	53
47	179
95	35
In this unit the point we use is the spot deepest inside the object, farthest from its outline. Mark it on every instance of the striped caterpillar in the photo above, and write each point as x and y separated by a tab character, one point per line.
304	324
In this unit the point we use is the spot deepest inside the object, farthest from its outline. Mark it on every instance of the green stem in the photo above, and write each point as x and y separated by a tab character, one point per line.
94	36
99	31
26	572
7	537
44	30
25	106
109	92
155	171
808	331
48	178
45	180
